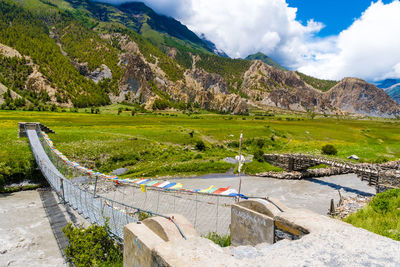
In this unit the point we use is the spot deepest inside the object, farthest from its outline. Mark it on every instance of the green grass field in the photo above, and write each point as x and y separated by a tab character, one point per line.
159	144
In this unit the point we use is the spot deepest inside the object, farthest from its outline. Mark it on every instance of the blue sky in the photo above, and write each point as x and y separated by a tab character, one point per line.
336	15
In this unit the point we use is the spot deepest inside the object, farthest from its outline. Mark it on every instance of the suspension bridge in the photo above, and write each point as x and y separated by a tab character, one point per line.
117	203
105	199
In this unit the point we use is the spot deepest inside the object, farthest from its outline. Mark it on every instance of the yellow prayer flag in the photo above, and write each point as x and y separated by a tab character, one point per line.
177	186
206	190
143	188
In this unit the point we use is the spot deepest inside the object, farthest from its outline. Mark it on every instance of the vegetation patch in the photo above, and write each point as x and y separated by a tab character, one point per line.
381	216
329	150
92	246
256	167
323	85
220	240
161	144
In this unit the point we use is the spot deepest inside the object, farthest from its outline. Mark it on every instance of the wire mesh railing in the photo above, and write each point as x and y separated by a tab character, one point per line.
97	198
95	209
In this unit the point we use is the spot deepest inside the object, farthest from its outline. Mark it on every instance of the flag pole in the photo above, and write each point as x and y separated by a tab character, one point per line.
240	163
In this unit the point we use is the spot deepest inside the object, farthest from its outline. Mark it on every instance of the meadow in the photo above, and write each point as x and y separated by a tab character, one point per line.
164	144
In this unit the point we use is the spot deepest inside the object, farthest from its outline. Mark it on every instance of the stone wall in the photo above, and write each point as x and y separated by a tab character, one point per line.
296	165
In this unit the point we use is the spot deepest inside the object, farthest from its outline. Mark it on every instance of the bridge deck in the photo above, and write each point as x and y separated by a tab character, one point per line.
95	209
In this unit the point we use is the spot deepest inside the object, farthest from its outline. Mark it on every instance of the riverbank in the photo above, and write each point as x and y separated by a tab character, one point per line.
28	232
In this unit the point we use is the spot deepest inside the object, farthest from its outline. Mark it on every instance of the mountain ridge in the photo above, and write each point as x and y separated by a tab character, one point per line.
97	59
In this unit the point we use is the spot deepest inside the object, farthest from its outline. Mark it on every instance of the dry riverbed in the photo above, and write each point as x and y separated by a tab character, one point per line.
26	235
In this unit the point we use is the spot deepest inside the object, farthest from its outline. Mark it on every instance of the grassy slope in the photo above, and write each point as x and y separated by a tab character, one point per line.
151	144
323	85
264	58
381	216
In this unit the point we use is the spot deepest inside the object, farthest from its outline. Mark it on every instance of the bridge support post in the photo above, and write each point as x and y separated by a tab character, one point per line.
62	190
95	187
291	164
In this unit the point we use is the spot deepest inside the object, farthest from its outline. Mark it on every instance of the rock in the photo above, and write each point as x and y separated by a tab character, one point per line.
354	157
119	171
350	204
100	74
243	252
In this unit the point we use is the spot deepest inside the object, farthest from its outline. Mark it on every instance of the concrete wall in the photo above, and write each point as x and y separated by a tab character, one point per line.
328	241
260	221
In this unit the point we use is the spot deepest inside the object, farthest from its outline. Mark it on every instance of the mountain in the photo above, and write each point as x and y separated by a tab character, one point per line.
266	59
391	87
394	92
213	47
84	54
269	86
387	83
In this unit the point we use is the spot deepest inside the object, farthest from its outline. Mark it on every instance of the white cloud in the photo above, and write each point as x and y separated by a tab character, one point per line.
368	49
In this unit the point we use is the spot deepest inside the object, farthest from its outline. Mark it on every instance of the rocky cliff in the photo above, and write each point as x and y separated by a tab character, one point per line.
357	96
285	89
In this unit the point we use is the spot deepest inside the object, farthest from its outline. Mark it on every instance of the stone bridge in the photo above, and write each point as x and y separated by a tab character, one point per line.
384	176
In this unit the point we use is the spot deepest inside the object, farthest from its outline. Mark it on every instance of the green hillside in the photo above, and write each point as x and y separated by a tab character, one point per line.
323	85
28	34
266	59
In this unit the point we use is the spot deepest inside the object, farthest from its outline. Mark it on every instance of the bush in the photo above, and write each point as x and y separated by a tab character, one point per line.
258	155
142	215
200	146
221	240
386	201
92	246
329	150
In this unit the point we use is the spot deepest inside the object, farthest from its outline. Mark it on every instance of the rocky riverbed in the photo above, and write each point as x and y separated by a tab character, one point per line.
26	234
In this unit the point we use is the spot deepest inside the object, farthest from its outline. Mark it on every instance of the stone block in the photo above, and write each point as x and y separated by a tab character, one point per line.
139	242
167	230
249	227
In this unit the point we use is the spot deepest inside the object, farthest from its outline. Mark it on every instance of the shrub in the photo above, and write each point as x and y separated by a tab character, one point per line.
386	201
221	240
142	215
92	246
200	146
329	150
260	143
258	155
381	216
